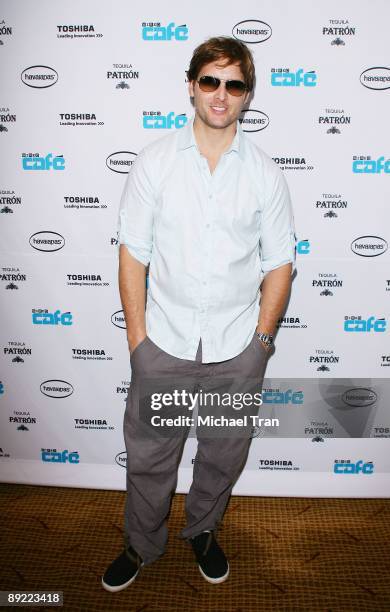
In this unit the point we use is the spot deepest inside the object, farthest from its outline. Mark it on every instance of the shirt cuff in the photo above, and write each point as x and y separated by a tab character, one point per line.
139	251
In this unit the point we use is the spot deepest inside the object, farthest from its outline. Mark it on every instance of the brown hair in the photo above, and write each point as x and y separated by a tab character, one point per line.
225	48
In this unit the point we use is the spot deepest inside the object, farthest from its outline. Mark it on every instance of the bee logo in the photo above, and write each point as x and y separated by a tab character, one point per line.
326	292
338	42
333	130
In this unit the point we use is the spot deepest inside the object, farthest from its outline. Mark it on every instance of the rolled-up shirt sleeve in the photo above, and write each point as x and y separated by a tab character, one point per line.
277	231
135	224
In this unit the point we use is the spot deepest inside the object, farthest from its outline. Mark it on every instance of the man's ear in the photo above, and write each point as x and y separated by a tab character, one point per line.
191	88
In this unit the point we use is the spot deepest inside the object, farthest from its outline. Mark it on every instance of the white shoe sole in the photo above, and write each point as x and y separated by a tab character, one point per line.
214	580
120	587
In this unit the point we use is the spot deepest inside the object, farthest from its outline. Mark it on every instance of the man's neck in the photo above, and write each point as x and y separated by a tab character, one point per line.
213	142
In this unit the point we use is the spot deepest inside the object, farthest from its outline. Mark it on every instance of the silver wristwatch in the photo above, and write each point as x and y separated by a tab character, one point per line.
266	339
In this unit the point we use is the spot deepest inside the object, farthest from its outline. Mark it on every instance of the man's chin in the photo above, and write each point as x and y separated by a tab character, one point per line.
220	123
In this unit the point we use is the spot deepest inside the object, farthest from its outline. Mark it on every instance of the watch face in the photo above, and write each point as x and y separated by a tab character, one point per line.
269	340
266	339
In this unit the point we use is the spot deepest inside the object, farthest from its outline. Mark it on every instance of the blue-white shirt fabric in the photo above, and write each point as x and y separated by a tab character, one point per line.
209	240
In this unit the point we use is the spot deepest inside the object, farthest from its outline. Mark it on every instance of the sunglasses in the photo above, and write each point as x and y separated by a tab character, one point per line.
233	87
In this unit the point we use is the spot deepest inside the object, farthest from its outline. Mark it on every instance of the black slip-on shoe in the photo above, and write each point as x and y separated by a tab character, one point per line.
211	559
123	571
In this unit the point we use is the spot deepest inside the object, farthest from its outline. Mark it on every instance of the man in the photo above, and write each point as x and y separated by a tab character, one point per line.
211	214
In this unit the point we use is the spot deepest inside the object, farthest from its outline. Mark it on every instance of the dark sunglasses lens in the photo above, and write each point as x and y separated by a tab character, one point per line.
208	83
235	88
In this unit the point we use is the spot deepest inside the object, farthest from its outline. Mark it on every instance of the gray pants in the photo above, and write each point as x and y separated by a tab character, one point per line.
152	461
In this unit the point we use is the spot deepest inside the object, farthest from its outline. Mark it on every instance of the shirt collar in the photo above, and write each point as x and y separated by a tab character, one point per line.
186	139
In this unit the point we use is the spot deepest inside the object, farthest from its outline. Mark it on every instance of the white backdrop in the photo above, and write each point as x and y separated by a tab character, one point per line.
86	85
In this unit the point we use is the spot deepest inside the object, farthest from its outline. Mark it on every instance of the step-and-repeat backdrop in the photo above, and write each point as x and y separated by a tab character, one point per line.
85	86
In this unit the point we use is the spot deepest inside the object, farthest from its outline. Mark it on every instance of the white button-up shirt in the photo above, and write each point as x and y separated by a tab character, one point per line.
209	240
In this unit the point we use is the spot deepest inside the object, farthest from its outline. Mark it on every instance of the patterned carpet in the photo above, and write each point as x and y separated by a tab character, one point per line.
286	554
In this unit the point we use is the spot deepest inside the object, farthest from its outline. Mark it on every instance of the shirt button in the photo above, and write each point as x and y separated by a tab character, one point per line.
204	283
210	196
207	225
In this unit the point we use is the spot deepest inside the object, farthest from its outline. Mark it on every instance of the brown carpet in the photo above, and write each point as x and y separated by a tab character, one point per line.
286	554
